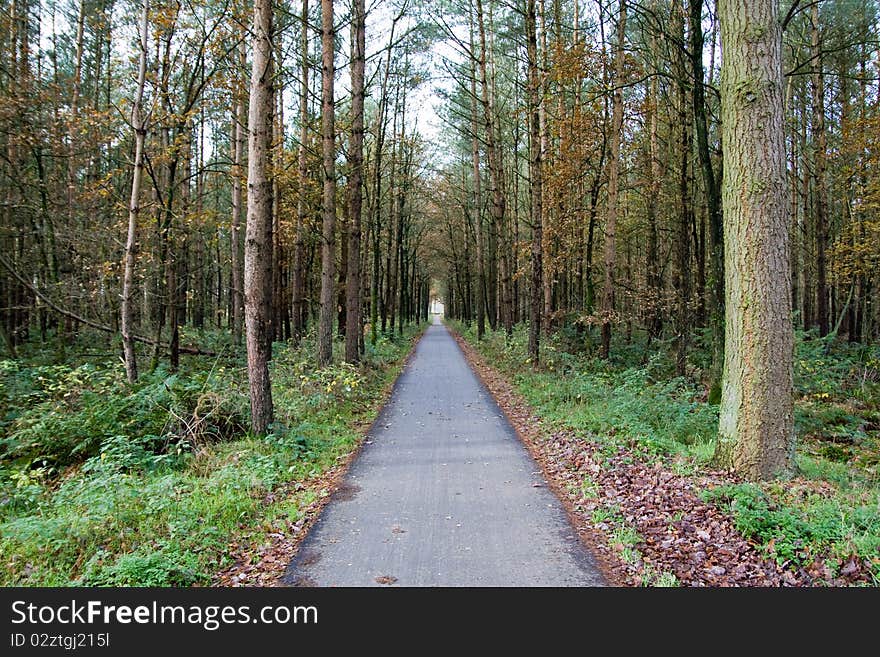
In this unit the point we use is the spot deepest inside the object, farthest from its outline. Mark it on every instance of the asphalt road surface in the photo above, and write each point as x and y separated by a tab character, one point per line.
442	494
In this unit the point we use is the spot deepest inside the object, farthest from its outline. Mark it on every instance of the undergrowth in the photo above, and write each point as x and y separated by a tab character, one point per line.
829	514
107	484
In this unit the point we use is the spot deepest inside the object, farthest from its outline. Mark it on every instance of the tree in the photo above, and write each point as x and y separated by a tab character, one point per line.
355	183
302	206
535	193
756	426
258	232
613	182
138	124
237	136
328	235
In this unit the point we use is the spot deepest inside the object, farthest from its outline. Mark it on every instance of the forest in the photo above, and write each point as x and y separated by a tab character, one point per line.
223	226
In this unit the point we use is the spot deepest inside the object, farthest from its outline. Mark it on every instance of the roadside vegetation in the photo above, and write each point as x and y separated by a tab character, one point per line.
102	483
829	513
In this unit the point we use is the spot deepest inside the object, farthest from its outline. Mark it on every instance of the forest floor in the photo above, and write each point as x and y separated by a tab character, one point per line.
632	464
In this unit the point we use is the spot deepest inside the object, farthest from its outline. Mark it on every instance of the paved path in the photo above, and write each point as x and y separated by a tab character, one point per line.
442	494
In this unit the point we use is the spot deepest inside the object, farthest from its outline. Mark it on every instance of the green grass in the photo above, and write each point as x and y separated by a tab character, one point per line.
102	484
830	512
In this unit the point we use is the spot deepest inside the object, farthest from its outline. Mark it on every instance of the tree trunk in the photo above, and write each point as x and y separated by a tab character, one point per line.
138	122
478	198
495	174
682	277
819	167
613	183
235	238
355	193
655	316
535	183
258	235
713	198
328	242
302	206
756	427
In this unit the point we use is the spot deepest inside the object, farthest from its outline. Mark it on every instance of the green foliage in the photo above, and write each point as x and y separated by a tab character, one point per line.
632	402
67	414
800	530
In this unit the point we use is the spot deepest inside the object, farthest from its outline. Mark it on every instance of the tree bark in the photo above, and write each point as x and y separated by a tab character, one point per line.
258	235
613	183
682	277
302	206
138	123
713	197
355	192
478	197
235	238
820	165
535	183
756	426
328	242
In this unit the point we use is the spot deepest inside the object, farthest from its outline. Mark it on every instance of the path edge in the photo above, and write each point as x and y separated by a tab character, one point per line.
531	435
335	475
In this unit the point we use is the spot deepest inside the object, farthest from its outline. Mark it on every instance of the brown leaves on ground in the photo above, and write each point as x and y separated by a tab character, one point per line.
679	533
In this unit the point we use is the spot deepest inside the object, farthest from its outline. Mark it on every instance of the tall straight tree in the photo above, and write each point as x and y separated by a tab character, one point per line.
713	197
258	232
328	242
613	181
355	182
478	194
302	206
535	202
756	427
820	166
139	125
235	236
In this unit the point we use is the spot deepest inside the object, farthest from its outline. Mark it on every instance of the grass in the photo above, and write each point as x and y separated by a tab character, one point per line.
830	512
105	484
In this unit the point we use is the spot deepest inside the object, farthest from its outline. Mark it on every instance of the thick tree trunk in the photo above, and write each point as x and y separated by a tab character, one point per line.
258	235
138	122
328	241
355	193
756	427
